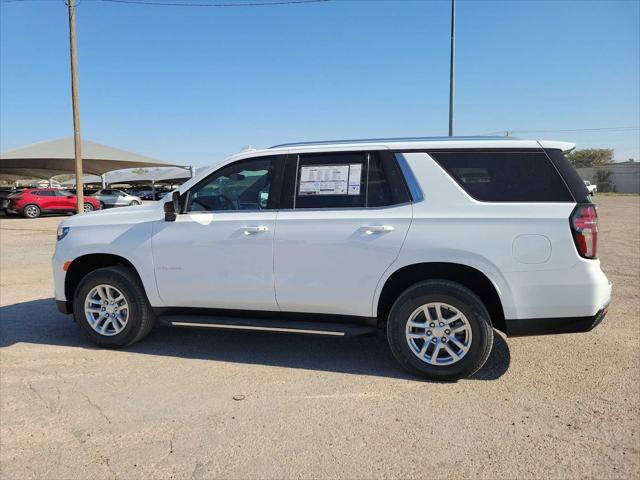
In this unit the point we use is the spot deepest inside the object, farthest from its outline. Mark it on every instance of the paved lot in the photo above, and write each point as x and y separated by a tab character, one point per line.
547	407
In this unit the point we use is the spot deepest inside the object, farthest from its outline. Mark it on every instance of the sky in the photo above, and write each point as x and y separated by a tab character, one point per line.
192	85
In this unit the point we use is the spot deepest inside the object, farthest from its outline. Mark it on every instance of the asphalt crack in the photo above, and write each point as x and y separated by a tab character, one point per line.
93	404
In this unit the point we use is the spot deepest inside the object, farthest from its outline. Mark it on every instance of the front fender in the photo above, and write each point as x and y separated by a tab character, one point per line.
131	241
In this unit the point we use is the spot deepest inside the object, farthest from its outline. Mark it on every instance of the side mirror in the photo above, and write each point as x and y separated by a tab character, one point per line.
70	196
172	208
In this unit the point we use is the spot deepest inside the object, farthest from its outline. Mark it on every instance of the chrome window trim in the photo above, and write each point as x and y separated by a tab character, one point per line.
354	209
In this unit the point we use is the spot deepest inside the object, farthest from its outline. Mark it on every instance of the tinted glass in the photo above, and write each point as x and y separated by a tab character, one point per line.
570	175
244	185
45	193
385	183
333	180
505	176
63	193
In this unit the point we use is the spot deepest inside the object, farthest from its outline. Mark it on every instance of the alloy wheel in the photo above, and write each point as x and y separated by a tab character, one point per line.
31	211
438	334
106	310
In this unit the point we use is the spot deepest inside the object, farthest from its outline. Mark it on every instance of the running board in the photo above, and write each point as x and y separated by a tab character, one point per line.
268	325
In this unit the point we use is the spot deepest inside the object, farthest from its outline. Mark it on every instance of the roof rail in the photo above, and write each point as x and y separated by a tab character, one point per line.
397	139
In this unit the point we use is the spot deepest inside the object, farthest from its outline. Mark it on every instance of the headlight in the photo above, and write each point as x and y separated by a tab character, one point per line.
62	232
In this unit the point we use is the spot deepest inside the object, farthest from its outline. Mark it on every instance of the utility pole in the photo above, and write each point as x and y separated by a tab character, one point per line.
74	101
452	64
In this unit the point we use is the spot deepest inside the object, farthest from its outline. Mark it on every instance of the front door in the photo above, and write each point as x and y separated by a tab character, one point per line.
118	198
349	217
65	200
219	254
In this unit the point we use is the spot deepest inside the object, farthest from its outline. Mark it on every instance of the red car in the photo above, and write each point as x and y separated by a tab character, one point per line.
31	202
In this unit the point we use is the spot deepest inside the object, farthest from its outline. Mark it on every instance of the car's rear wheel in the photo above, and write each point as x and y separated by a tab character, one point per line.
88	207
31	211
111	307
440	330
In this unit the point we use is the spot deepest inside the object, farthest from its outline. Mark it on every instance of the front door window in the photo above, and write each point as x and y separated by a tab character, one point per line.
243	185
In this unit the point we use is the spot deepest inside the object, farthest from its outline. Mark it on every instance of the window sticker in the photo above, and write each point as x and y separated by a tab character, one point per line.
355	175
330	179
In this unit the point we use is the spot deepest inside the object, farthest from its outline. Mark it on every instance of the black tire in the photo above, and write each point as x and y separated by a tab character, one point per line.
462	299
134	203
31	211
88	207
101	205
141	318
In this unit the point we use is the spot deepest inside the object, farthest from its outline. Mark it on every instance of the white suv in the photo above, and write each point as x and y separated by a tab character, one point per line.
433	241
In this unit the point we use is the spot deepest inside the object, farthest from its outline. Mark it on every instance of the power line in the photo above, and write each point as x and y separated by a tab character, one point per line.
601	129
227	4
194	3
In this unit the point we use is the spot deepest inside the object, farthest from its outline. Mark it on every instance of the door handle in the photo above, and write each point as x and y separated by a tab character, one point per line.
256	229
369	229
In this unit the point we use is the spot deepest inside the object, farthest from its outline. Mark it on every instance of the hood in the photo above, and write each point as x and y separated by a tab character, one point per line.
120	215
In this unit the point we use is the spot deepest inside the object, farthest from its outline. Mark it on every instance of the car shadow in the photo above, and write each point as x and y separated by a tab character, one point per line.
39	322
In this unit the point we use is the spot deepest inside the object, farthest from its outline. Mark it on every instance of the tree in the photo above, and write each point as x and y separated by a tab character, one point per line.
591	157
64	177
603	180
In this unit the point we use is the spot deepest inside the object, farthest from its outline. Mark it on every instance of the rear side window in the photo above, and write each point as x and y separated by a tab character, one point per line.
385	180
344	180
335	180
570	175
44	193
505	176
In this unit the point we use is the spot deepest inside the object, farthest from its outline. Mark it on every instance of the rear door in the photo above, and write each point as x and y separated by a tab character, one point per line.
47	199
107	197
347	217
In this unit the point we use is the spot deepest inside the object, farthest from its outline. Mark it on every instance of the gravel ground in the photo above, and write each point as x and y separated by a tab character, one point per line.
186	403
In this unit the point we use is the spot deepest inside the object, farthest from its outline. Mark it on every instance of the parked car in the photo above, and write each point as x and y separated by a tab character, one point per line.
4	197
32	202
148	193
110	197
592	188
433	242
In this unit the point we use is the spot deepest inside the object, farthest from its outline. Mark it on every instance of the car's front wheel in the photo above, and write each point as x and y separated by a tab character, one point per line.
440	330
134	203
88	207
111	307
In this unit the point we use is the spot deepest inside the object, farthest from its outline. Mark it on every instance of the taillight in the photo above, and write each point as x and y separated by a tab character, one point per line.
584	225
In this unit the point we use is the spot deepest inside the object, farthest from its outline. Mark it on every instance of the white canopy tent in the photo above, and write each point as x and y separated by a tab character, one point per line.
57	157
152	176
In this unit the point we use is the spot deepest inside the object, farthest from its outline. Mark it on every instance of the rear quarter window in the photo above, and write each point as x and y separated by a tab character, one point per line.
508	176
